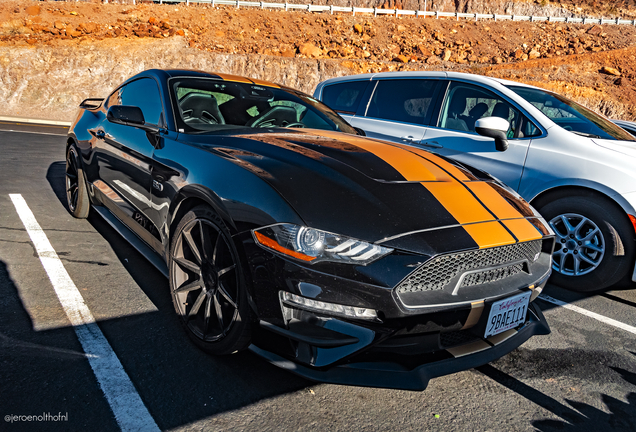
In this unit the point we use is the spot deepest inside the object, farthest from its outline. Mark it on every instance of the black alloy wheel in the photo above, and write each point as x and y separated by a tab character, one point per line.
207	284
76	193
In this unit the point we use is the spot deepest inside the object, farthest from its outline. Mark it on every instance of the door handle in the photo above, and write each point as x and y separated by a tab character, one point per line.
410	138
432	144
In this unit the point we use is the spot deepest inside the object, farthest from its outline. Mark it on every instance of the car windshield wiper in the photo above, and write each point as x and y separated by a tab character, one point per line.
589	135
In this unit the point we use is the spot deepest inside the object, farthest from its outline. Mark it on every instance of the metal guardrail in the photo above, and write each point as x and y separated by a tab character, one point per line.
397	12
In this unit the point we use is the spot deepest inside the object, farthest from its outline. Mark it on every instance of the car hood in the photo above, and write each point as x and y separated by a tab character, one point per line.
383	192
625	147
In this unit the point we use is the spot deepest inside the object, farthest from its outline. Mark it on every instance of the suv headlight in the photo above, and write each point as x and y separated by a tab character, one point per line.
312	245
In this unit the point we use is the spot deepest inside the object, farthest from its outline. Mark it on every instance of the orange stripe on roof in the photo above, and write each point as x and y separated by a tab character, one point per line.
489	234
523	229
264	83
235	78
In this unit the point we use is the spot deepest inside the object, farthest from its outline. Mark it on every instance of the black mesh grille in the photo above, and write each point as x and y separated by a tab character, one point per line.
492	275
437	273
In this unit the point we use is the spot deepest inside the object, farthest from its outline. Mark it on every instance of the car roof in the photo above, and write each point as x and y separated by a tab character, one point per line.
426	74
204	74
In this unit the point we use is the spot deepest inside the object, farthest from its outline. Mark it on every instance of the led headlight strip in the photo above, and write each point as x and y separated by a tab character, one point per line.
328	308
312	245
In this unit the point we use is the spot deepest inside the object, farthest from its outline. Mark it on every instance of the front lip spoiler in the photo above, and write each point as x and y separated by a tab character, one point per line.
394	376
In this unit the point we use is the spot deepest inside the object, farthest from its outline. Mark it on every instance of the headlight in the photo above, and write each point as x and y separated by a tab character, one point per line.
312	245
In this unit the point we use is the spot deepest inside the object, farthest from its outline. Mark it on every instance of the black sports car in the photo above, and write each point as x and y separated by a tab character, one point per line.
283	230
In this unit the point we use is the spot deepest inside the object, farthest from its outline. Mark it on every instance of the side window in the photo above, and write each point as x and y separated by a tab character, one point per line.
344	97
115	98
407	100
466	103
144	93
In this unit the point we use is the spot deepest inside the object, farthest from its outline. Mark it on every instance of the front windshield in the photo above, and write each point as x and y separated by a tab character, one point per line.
207	105
572	116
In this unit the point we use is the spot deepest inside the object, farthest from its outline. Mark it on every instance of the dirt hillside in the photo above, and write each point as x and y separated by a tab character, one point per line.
54	54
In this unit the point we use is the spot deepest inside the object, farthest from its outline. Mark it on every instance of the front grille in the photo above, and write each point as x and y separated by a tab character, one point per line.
492	275
437	273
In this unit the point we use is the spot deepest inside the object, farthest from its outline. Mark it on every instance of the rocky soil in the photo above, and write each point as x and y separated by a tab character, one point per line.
54	54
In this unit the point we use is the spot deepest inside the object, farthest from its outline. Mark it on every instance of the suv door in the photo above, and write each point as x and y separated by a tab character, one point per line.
454	135
398	109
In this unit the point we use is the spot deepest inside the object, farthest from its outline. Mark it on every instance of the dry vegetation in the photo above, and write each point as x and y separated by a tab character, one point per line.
590	63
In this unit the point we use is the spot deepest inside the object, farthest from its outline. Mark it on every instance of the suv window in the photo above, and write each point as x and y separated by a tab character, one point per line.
406	100
466	103
142	93
344	97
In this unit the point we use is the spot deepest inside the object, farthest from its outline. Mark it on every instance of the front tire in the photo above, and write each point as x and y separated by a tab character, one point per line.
594	246
206	282
76	193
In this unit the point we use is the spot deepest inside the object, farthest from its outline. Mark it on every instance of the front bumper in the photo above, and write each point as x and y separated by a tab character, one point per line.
378	372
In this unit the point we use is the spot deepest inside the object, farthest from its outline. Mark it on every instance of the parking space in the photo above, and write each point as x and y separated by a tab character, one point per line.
580	377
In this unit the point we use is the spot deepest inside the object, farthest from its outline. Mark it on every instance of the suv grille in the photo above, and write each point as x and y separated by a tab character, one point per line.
437	273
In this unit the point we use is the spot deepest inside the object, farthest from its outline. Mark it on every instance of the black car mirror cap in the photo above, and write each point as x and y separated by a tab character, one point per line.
361	132
494	127
129	116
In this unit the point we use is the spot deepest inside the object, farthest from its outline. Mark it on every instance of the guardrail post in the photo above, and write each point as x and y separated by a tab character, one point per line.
375	11
286	6
567	19
353	11
436	14
617	21
331	9
396	12
584	20
262	5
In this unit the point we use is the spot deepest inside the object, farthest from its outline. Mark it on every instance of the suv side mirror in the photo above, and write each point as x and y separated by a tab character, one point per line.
129	116
494	127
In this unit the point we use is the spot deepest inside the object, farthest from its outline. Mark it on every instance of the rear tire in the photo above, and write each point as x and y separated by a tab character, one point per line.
594	243
207	283
77	199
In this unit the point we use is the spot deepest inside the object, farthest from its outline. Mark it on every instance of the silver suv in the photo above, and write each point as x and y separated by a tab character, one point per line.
575	166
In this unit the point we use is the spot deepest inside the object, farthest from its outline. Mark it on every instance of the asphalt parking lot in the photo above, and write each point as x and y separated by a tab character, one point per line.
580	377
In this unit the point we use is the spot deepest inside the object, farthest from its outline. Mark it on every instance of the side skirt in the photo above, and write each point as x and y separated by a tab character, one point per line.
133	239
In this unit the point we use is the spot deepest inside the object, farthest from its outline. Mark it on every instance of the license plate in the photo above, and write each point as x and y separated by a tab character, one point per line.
507	314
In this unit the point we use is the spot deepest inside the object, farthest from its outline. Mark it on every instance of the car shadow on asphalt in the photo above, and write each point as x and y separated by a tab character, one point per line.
179	383
576	416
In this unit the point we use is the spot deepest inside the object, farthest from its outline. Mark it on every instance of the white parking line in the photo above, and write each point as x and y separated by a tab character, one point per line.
586	312
130	412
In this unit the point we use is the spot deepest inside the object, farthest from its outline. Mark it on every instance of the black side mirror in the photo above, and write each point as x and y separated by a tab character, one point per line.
126	115
494	127
360	131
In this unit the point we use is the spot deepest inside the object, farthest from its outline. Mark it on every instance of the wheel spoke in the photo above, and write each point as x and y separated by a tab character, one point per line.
225	270
216	248
197	304
207	314
568	226
187	235
591	235
203	241
577	265
187	264
594	247
562	262
556	230
221	290
589	260
219	314
189	286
